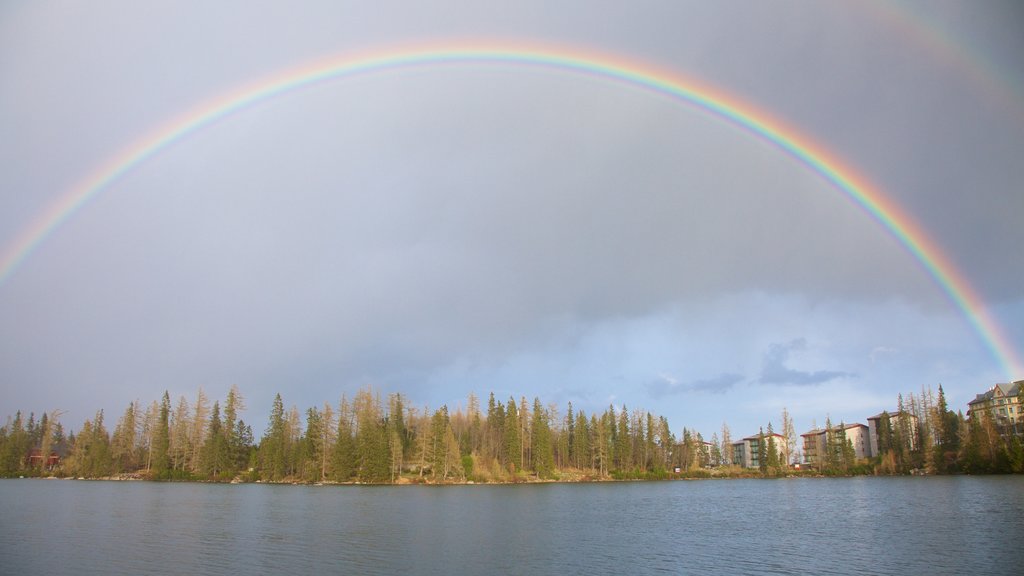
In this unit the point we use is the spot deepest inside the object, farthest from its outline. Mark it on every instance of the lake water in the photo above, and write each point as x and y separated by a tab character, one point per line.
960	525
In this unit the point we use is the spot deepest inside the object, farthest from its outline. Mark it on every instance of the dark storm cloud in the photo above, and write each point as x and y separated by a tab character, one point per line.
774	369
667	386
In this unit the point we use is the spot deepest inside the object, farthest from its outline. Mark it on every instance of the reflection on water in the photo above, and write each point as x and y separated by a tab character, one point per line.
799	526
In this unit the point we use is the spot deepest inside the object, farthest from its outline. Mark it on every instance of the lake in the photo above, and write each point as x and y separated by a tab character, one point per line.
933	525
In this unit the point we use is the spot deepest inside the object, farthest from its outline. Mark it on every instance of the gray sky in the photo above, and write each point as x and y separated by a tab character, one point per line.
505	228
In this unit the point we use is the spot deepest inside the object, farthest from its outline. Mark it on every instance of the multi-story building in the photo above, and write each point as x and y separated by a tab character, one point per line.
816	440
1003	404
747	452
814	445
897	420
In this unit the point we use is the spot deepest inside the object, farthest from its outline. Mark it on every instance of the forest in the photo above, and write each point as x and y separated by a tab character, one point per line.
370	439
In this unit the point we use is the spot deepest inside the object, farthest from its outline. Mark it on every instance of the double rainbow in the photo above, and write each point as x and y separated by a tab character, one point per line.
686	90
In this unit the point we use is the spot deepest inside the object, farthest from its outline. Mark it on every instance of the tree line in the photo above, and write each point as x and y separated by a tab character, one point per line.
370	439
365	439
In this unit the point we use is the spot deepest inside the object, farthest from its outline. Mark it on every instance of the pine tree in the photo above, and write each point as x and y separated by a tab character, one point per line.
771	456
123	449
197	433
343	459
495	425
948	436
543	459
599	444
762	449
162	440
313	449
181	429
235	429
273	458
215	456
623	442
512	439
581	442
372	445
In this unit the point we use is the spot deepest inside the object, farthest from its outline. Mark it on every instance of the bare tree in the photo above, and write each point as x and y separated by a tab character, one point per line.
726	444
789	433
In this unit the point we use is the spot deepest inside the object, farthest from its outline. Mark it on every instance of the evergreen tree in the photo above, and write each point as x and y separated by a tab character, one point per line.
215	456
312	449
372	446
474	440
650	449
235	430
181	429
543	459
948	436
273	445
599	443
512	439
343	460
762	449
162	440
623	442
123	449
581	443
496	430
771	456
197	432
17	446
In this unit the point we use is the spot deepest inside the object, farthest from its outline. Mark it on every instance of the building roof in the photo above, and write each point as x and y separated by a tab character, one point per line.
756	436
999	391
894	415
820	431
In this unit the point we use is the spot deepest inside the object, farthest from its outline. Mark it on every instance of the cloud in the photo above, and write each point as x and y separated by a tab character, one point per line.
775	371
879	351
666	385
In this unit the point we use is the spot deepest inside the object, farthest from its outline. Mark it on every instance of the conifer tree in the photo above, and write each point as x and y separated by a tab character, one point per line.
274	459
372	446
162	440
123	449
313	449
512	439
181	429
762	449
543	463
771	457
496	430
343	460
581	442
215	456
624	442
234	428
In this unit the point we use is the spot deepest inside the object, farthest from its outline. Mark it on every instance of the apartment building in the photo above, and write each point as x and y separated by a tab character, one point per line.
747	452
815	441
1003	404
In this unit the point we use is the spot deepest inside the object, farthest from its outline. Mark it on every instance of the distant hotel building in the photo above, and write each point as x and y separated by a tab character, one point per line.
747	452
815	442
1003	404
896	419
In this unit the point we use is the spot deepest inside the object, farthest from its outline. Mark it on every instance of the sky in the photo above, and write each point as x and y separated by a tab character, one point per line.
525	230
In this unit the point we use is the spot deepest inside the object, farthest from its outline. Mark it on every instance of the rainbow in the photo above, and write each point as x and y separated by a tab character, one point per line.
705	98
980	72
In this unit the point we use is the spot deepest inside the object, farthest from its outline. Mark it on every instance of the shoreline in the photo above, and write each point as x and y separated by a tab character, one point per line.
531	481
